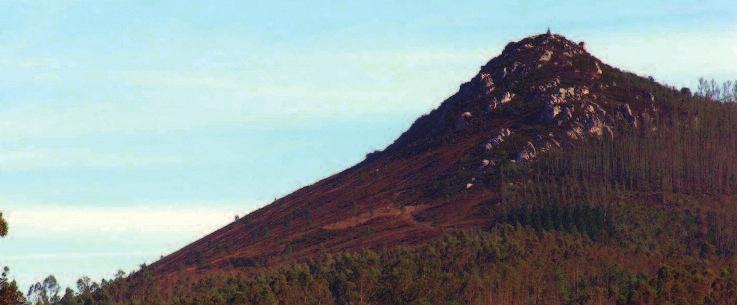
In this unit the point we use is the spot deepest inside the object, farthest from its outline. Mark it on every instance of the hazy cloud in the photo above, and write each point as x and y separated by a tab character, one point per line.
31	159
675	57
139	218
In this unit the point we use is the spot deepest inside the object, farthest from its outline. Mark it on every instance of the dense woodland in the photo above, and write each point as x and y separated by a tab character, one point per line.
645	218
506	265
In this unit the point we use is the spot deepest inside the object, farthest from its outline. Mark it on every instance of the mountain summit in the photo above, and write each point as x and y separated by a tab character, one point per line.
545	83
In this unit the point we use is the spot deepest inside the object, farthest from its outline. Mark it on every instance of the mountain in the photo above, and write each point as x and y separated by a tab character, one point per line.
544	92
549	178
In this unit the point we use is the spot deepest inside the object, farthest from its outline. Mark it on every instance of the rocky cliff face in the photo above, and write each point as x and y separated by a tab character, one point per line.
542	93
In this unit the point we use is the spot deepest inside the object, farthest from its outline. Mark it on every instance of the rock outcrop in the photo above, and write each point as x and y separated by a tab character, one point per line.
497	138
557	81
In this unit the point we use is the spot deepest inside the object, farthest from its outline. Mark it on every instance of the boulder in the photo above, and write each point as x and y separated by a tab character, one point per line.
500	74
492	106
504	98
547	86
463	120
608	133
566	114
593	124
527	153
519	70
549	113
553	142
546	57
626	112
497	138
487	163
486	83
649	96
575	132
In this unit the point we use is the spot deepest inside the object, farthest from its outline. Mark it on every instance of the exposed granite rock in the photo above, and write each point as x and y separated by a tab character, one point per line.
545	57
527	153
497	138
549	113
626	113
598	72
566	114
463	120
498	101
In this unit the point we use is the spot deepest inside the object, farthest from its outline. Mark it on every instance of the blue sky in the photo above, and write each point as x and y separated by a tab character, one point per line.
130	128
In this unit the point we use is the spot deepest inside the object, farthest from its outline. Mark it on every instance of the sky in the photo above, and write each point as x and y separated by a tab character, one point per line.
130	128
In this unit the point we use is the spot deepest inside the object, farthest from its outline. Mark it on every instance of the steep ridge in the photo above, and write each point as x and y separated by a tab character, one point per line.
543	93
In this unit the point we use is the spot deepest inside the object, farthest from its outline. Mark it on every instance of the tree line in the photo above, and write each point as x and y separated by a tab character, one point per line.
713	90
509	264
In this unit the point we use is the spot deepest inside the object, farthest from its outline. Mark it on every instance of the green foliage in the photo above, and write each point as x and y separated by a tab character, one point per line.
677	170
594	222
3	226
9	293
503	266
710	89
44	292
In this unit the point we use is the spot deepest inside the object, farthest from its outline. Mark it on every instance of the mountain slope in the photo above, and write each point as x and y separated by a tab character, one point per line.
543	93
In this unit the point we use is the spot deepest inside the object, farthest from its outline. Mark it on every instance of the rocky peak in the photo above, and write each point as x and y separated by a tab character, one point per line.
545	84
541	61
544	42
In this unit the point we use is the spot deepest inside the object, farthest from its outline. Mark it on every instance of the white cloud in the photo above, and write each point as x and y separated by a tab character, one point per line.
419	56
676	57
70	241
150	218
243	87
76	255
196	107
32	63
293	87
28	159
